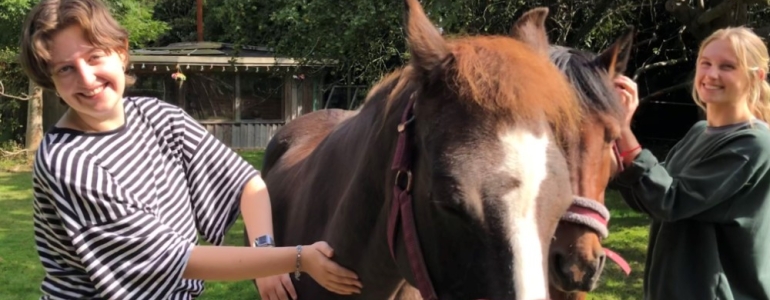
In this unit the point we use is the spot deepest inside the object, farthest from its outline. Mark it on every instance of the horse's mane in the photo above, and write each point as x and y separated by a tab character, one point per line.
588	78
498	74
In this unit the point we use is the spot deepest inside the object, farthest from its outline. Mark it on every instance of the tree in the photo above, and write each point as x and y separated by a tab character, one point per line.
137	17
705	16
34	126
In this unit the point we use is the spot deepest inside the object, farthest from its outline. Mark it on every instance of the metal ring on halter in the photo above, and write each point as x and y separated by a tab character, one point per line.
399	178
402	126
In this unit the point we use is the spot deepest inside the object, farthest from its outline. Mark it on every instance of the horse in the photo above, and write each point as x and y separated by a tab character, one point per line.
577	257
450	178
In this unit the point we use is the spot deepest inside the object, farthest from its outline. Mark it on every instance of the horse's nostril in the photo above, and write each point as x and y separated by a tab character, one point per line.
557	259
556	263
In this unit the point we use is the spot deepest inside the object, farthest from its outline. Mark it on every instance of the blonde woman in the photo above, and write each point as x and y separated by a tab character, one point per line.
123	186
710	201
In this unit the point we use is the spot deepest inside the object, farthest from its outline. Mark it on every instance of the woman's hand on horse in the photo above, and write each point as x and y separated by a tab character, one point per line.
277	287
629	96
317	263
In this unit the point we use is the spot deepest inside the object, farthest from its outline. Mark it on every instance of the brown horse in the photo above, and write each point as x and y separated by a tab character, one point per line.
577	257
450	178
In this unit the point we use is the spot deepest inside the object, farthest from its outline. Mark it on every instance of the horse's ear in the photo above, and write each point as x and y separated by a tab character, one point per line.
615	58
426	45
530	29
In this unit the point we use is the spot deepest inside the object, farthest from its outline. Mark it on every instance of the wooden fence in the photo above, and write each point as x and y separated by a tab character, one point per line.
243	135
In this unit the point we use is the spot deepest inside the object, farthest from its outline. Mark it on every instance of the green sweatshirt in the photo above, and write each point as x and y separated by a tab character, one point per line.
710	205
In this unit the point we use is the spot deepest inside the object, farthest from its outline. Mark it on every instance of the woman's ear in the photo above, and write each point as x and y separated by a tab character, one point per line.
124	58
123	54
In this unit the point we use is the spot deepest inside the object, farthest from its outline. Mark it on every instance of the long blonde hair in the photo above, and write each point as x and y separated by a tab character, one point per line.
752	56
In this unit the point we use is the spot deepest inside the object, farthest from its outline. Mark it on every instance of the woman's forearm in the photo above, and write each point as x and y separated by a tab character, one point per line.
243	263
239	263
256	209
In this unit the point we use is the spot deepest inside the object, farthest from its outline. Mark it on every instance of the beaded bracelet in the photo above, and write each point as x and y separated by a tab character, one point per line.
299	255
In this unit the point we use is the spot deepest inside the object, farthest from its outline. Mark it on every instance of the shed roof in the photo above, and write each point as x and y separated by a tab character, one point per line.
211	54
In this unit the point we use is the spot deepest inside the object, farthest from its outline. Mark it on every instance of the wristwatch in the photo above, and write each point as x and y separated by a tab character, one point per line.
264	241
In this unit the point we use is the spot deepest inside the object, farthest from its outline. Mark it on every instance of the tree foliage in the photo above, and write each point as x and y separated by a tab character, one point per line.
137	17
365	37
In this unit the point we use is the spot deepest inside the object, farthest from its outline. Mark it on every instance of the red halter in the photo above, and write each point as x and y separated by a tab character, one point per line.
594	215
401	207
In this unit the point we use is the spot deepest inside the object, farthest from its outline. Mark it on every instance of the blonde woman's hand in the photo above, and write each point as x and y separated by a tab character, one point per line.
629	96
316	262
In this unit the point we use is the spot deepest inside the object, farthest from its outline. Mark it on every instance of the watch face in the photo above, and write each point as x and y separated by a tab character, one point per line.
264	241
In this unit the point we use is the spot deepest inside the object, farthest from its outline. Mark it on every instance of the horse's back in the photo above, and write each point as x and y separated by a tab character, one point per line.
285	170
303	133
288	146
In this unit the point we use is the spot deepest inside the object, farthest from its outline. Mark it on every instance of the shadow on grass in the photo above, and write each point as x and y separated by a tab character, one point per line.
16	181
15	201
20	269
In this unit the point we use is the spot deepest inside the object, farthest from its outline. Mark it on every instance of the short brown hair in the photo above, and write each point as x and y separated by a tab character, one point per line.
49	17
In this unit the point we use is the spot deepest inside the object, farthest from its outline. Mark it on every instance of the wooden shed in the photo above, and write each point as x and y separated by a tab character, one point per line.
241	97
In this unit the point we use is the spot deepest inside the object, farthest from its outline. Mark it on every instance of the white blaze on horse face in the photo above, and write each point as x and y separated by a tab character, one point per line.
525	159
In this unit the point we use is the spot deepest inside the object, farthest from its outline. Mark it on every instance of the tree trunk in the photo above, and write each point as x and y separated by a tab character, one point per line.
34	119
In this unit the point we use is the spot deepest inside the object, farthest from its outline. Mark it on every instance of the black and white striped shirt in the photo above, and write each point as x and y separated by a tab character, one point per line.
116	214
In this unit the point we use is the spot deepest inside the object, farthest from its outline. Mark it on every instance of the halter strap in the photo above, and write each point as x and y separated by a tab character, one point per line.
401	206
592	214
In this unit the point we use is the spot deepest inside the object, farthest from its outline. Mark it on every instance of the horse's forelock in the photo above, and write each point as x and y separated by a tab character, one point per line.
508	79
589	79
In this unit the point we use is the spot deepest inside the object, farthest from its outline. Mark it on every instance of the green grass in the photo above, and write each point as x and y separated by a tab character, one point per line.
628	237
20	270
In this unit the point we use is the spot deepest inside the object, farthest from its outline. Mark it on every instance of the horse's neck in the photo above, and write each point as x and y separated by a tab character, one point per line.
365	149
358	226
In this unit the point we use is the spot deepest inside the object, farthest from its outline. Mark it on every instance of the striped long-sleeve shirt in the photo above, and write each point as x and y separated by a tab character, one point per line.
116	214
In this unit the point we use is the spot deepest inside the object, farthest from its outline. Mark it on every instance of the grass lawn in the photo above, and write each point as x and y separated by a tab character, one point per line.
20	271
628	237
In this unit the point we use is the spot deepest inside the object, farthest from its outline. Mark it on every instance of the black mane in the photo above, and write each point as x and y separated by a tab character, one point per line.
589	79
